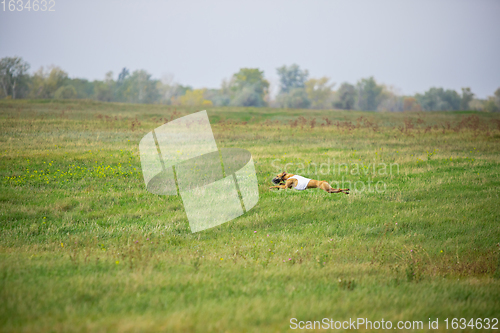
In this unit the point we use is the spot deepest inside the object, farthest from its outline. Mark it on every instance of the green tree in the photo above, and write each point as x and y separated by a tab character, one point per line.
140	88
491	106
319	92
13	75
248	88
467	97
292	87
369	94
65	92
121	85
291	77
219	97
345	97
497	97
438	99
45	84
123	75
83	88
493	102
390	100
104	91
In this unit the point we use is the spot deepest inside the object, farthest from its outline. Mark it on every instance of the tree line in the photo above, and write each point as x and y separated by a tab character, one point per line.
248	87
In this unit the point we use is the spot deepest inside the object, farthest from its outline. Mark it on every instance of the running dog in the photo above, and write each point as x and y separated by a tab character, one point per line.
287	180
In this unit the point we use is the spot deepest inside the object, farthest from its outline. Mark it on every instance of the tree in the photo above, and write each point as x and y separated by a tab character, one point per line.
104	91
57	77
248	87
123	74
65	92
491	106
291	78
438	99
319	92
390	101
493	102
497	97
13	71
169	90
45	84
83	88
467	97
292	87
346	97
369	94
121	85
219	97
140	88
410	104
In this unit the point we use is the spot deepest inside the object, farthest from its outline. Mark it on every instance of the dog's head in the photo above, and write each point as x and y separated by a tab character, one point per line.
280	178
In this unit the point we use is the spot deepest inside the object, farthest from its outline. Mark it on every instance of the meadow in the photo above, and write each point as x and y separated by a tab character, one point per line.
84	246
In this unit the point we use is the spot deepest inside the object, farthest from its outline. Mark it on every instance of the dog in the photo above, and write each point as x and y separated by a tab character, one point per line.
287	180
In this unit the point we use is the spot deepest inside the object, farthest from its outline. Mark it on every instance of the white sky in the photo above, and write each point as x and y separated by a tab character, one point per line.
411	45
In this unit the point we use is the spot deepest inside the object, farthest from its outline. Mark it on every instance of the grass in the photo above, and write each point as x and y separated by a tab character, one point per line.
85	248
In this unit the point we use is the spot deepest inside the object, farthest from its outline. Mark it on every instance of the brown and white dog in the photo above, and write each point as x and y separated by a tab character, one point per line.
287	180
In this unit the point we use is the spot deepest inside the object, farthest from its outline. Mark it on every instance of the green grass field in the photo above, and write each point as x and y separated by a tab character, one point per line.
84	247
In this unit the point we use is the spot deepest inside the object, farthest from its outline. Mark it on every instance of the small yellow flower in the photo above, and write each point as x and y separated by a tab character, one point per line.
117	262
221	258
62	245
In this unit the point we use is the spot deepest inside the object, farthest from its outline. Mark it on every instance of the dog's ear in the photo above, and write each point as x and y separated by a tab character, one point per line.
284	173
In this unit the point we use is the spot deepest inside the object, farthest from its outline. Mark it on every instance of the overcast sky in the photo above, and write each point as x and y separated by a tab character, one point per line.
411	45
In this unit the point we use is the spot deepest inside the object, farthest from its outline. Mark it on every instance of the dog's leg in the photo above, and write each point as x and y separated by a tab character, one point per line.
339	190
326	187
288	184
